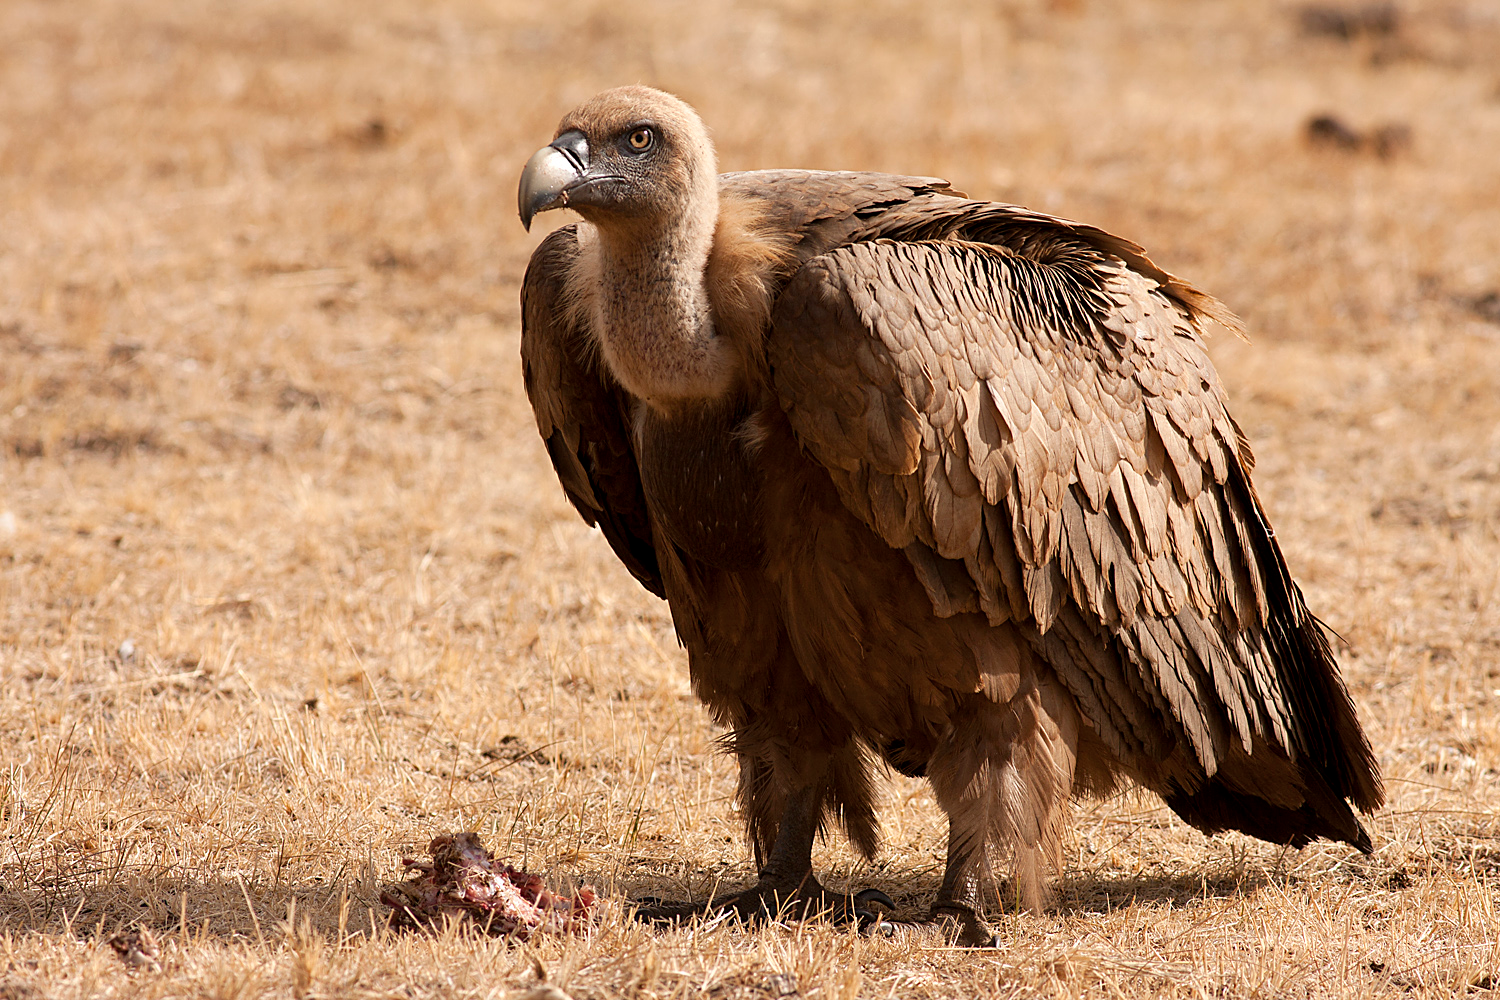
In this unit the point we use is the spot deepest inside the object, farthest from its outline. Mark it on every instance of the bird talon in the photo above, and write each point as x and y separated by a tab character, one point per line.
655	910
872	924
867	896
964	927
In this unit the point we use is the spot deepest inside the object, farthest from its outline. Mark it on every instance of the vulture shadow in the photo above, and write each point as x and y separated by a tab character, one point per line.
258	909
1094	894
913	892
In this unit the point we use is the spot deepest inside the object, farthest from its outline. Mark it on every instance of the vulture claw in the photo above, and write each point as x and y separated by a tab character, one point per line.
962	924
868	920
879	926
874	896
655	910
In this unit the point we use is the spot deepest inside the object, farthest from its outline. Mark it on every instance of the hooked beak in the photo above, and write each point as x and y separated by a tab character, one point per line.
553	173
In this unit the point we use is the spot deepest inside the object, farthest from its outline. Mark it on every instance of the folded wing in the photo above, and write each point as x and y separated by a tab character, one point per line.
1027	409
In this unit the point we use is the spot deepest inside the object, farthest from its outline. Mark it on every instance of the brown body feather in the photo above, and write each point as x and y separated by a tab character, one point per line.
974	504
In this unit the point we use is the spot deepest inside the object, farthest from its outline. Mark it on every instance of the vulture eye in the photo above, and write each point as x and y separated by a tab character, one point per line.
641	139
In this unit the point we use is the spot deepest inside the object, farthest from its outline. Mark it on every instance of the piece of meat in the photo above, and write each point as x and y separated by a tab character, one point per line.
463	882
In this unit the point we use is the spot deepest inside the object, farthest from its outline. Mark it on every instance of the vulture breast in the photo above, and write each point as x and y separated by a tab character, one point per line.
699	483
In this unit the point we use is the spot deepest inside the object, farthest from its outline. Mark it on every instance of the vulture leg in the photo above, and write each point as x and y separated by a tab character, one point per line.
1003	773
959	906
786	886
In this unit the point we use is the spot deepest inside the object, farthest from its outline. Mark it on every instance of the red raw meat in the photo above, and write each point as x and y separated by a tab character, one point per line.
463	882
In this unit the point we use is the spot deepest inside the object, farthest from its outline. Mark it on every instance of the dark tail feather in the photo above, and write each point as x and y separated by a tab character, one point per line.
1215	808
1323	718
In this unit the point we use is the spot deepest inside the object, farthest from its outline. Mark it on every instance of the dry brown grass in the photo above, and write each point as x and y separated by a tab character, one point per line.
287	586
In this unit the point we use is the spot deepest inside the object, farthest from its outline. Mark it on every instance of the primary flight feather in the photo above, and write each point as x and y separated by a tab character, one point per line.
943	482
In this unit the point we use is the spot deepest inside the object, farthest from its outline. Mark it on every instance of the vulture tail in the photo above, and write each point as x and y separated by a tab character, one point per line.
1334	749
1216	807
1329	766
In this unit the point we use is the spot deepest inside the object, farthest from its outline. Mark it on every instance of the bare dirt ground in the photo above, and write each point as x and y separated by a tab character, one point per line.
287	585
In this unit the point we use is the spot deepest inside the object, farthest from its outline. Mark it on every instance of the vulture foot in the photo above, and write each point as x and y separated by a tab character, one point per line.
786	889
773	901
951	925
962	925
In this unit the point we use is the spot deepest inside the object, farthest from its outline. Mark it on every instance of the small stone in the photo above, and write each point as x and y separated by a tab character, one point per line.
783	984
137	949
544	991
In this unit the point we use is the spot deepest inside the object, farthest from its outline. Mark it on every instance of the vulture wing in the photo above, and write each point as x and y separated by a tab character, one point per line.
580	414
1025	407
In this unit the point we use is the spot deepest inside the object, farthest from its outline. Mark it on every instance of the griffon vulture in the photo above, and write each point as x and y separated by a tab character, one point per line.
945	483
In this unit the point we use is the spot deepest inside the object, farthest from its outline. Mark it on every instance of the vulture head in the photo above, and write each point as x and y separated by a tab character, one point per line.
638	165
632	157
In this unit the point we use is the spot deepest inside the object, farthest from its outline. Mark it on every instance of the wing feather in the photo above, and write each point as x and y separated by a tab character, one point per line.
1037	404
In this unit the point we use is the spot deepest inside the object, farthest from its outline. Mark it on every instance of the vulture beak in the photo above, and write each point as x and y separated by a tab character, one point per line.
558	175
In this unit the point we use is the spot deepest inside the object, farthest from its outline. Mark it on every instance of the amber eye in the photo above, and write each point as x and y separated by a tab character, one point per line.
641	139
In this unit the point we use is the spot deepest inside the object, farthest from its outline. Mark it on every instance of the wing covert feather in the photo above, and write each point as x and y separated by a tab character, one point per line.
1043	413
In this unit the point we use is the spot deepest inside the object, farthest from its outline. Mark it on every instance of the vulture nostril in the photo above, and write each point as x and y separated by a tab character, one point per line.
575	146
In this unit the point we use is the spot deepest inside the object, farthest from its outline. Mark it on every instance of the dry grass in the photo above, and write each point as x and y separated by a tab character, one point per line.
286	585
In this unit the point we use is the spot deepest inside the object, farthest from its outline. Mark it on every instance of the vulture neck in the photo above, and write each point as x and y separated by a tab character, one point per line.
653	317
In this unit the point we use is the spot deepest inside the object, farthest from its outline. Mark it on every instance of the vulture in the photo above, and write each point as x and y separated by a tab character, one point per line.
942	483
